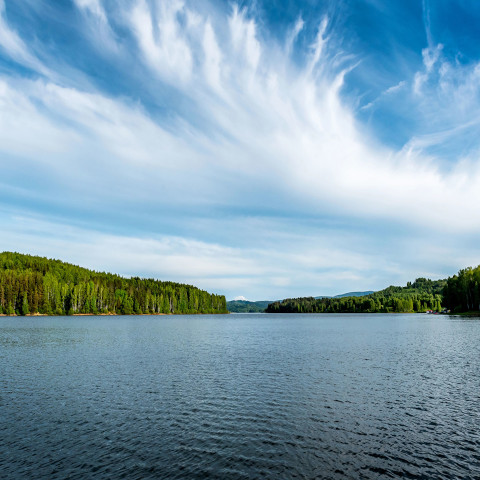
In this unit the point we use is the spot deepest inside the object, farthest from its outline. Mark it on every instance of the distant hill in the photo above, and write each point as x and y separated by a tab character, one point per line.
349	294
244	306
354	294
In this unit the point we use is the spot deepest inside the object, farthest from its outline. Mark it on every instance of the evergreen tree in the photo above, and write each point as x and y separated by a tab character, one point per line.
39	285
24	309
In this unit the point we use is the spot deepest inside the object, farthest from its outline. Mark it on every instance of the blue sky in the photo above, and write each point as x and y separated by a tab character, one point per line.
257	149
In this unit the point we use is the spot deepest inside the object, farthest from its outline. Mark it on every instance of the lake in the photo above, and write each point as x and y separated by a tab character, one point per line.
240	397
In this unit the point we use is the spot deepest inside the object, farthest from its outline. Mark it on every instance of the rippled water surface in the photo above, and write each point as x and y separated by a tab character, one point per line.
240	396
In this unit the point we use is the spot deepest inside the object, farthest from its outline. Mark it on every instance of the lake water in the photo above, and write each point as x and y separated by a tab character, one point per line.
240	397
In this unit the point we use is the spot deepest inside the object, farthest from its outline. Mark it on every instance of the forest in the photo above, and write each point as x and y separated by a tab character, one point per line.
462	291
31	285
419	296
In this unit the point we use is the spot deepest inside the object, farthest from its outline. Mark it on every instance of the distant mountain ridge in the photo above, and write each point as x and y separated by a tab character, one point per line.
348	294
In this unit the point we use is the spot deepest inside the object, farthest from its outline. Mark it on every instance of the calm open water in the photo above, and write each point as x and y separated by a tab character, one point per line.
240	396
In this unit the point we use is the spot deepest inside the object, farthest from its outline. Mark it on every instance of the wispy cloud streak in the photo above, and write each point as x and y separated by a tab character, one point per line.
213	118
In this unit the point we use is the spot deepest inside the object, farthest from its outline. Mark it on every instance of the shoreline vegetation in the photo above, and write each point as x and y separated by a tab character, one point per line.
457	295
37	286
31	285
108	314
421	296
475	313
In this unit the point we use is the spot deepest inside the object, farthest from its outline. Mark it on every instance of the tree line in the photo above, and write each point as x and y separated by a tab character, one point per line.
419	296
462	291
30	284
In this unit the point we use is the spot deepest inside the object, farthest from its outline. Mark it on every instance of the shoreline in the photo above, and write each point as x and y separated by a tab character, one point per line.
476	313
109	314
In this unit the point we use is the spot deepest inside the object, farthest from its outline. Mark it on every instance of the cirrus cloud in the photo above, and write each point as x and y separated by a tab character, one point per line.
214	122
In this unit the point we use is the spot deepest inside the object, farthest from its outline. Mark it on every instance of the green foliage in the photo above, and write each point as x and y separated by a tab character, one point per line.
462	291
24	308
31	284
419	296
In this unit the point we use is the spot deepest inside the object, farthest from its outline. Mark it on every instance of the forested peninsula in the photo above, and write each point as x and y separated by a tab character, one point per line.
37	285
457	294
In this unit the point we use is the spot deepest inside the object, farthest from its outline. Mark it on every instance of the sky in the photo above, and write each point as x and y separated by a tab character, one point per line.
263	149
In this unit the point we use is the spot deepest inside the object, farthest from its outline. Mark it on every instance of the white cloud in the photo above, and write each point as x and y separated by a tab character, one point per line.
291	134
318	46
100	33
15	47
447	101
244	39
293	35
24	130
255	132
430	56
213	58
395	88
93	6
161	42
207	265
323	262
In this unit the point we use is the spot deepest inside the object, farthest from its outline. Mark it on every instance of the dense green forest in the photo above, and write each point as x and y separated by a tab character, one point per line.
31	284
462	291
419	296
